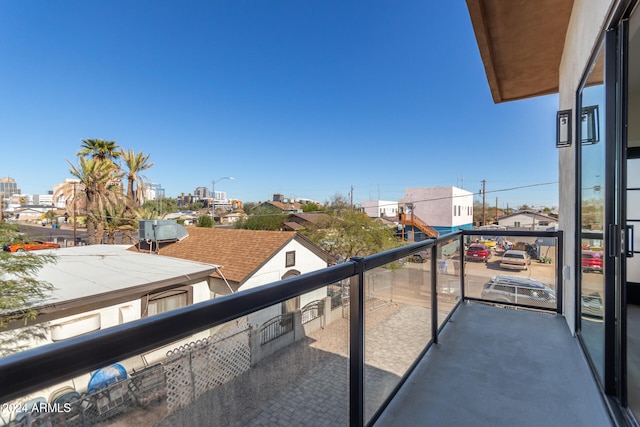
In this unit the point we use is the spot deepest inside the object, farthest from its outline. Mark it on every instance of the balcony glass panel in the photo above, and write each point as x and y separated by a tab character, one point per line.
591	186
397	322
284	365
448	277
512	270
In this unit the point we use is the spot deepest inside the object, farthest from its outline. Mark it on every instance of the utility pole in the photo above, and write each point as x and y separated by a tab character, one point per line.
484	203
351	197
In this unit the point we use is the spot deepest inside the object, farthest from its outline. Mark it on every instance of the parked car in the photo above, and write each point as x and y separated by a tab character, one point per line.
515	260
519	290
592	261
31	245
490	243
478	252
421	256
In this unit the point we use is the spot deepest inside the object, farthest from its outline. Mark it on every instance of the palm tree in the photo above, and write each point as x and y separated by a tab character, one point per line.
97	180
72	192
119	218
136	163
99	149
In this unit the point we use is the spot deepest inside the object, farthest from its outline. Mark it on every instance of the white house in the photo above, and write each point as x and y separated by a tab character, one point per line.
446	209
379	208
251	258
100	286
528	220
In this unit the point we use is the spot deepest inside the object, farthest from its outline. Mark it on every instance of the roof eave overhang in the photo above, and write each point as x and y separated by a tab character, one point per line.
521	44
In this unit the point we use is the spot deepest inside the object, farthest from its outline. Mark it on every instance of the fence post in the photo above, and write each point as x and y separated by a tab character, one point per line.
356	344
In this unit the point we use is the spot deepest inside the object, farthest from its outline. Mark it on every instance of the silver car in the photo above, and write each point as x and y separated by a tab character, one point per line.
519	290
515	260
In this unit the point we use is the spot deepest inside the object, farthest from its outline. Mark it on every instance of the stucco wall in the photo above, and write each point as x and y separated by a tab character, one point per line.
587	21
373	208
275	268
435	205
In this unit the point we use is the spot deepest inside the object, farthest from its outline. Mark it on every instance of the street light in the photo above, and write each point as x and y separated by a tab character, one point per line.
213	198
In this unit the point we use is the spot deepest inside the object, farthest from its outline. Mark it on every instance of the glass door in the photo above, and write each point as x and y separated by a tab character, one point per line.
631	264
591	213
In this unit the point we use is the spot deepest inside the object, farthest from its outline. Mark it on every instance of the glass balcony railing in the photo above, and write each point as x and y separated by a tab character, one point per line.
327	348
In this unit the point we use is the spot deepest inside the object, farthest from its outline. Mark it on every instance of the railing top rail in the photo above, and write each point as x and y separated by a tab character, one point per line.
523	233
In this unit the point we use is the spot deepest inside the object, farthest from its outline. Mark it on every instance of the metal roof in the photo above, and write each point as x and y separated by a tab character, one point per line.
87	271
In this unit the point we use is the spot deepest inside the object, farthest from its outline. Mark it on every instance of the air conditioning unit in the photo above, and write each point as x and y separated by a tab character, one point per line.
161	230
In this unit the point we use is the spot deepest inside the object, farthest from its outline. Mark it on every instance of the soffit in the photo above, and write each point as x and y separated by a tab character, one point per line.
521	44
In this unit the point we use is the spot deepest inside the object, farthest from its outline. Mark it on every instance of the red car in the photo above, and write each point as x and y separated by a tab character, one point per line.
478	252
32	245
592	261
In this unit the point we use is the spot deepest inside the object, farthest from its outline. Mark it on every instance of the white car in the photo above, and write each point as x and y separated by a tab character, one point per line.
515	260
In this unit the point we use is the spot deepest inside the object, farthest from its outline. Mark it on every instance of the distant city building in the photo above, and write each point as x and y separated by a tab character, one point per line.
43	199
201	193
8	187
154	192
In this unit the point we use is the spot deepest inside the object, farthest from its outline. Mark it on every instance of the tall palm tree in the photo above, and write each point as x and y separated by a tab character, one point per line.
96	178
100	150
136	185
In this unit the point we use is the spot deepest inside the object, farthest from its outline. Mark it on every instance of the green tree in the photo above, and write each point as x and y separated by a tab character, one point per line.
50	215
19	290
204	221
263	218
350	233
310	207
339	203
118	218
164	205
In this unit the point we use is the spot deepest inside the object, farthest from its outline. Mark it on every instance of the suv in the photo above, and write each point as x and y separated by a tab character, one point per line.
515	260
478	252
519	290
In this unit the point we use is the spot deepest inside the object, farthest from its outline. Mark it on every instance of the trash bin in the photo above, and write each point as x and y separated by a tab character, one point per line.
442	266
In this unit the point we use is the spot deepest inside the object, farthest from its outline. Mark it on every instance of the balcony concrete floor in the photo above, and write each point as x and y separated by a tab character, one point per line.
500	367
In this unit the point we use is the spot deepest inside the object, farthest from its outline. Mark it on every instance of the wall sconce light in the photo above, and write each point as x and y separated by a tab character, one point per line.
590	126
563	128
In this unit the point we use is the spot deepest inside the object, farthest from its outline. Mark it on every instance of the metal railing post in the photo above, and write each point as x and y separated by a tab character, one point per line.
462	267
434	294
559	268
356	346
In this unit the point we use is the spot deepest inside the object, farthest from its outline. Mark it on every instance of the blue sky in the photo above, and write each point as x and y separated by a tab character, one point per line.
303	98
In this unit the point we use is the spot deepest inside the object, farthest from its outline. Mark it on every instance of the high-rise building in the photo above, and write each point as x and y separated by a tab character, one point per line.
8	187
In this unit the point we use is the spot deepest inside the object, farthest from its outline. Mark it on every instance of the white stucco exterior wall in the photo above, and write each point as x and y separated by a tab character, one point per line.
378	208
587	21
435	205
275	269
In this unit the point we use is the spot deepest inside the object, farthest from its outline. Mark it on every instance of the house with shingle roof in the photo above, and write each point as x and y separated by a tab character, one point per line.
301	221
285	207
250	258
